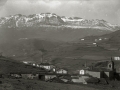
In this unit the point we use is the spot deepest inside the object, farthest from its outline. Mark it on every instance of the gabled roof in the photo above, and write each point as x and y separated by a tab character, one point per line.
99	69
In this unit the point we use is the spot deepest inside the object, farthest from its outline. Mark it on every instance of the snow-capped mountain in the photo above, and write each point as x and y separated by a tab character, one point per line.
45	19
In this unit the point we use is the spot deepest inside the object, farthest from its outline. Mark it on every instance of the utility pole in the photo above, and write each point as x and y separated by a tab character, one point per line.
43	52
85	63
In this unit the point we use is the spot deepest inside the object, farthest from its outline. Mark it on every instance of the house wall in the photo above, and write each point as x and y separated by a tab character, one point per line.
61	72
48	77
109	74
116	58
95	74
82	72
45	67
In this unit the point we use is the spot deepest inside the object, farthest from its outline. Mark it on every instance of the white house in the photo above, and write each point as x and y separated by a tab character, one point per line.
28	62
46	66
82	39
82	72
116	58
61	71
34	64
100	39
94	43
25	62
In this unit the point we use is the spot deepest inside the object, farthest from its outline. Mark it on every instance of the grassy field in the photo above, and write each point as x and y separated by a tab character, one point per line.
20	84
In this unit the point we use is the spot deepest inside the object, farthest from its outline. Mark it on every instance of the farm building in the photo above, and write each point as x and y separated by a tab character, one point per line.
47	77
98	74
29	76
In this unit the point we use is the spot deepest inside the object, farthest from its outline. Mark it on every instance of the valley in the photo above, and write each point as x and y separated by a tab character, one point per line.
73	44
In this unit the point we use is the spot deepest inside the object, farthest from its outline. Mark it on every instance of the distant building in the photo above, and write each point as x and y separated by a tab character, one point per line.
34	64
82	72
46	66
47	77
82	39
25	62
109	74
100	39
116	58
94	43
61	71
98	74
106	70
28	62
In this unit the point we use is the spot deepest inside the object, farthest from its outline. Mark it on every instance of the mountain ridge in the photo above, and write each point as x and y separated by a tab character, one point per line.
37	20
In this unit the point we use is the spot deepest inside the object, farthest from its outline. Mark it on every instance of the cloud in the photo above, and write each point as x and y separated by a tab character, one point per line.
2	2
89	9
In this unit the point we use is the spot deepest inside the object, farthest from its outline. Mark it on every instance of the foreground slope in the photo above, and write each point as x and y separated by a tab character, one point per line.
8	65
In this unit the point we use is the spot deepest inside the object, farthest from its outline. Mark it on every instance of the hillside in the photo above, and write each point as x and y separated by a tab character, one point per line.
70	55
109	41
8	65
57	34
28	49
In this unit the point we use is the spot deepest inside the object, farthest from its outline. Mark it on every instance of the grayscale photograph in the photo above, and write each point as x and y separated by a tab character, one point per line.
59	45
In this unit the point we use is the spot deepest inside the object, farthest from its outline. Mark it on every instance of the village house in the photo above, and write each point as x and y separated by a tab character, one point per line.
28	62
46	66
82	72
116	58
82	39
46	77
25	62
93	73
106	71
61	71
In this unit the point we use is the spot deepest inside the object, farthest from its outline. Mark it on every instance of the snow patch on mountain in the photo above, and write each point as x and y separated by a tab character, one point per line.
37	20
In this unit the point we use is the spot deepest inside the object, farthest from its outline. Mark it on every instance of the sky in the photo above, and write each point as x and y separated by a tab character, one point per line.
108	10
